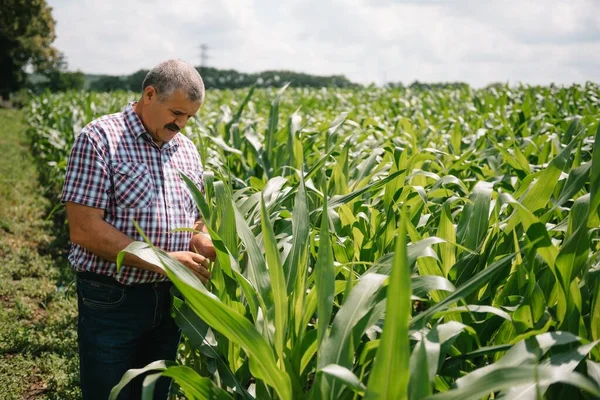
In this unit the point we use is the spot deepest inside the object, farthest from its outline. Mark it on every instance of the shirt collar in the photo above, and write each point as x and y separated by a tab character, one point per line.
135	126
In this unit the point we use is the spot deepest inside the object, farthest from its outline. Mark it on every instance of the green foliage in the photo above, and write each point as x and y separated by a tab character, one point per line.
467	209
26	35
108	83
215	78
231	79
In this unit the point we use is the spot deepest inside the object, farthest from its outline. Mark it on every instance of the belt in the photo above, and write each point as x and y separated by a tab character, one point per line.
93	276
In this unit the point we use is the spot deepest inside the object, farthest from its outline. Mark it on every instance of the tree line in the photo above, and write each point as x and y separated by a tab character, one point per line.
226	79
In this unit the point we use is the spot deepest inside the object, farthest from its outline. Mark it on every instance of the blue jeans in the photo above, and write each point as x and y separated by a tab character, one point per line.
122	327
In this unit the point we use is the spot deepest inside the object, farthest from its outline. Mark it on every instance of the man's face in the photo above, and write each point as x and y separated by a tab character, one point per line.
165	118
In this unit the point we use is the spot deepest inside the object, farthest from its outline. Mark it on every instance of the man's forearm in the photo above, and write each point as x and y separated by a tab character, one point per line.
105	241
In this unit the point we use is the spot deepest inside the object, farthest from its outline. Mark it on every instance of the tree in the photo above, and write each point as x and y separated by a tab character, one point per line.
135	80
108	83
226	79
26	35
58	79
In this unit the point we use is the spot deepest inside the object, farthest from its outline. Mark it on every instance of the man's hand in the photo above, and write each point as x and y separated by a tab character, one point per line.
203	245
196	263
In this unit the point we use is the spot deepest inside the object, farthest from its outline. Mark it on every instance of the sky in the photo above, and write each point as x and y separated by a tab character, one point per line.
377	41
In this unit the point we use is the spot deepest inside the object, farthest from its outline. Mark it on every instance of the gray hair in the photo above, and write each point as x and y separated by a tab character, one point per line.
171	75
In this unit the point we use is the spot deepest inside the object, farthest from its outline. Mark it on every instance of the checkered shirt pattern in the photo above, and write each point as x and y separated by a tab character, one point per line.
114	165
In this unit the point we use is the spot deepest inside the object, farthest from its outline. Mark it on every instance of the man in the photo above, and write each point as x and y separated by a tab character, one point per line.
122	168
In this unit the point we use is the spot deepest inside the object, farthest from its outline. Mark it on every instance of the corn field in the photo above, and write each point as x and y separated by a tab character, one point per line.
381	243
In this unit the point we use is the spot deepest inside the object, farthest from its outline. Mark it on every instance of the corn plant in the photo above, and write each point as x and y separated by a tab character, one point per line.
392	244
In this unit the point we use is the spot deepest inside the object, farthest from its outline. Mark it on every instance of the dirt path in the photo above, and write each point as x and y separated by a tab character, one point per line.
38	348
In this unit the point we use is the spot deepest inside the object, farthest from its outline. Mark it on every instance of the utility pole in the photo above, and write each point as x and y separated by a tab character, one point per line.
203	55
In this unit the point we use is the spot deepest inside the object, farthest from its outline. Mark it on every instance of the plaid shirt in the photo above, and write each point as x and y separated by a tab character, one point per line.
114	165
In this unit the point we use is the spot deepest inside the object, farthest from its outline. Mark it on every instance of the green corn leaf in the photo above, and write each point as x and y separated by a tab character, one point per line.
390	373
337	201
335	349
197	196
324	276
419	386
277	279
258	275
295	265
594	217
564	363
160	365
225	320
474	220
240	110
345	376
473	284
269	156
505	378
193	385
574	253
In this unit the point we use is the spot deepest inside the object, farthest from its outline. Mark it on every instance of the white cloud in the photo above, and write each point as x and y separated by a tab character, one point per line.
478	42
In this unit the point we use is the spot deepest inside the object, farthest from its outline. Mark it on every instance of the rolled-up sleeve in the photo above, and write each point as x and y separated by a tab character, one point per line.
87	179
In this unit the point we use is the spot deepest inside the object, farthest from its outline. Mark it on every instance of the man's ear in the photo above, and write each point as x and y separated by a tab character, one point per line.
149	94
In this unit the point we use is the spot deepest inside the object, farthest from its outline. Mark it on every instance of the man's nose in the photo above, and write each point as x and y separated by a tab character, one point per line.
181	121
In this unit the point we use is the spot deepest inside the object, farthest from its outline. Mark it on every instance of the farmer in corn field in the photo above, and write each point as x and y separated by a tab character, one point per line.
122	168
